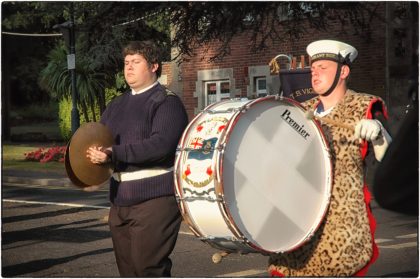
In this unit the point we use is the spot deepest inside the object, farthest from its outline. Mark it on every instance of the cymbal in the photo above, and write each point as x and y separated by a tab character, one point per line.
79	168
70	172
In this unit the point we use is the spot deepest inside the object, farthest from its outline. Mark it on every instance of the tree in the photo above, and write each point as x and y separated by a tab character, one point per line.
198	23
102	28
106	26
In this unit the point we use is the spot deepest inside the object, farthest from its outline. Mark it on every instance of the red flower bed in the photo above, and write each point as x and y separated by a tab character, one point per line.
44	155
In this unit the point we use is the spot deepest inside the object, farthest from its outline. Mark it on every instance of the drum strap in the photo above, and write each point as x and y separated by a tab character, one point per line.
140	174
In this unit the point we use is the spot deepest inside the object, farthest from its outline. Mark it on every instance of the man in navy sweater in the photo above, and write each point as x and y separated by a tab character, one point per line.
146	123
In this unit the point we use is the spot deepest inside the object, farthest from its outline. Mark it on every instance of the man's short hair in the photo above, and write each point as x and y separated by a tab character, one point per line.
148	49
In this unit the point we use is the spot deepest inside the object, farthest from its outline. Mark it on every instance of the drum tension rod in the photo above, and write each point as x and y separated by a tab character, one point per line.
188	149
230	110
210	199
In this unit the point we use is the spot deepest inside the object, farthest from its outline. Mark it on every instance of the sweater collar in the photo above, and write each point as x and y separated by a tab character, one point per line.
144	89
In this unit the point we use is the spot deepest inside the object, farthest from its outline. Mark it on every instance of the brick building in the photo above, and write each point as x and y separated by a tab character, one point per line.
382	67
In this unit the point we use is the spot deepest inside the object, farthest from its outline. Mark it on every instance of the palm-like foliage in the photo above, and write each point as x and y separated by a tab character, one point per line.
55	79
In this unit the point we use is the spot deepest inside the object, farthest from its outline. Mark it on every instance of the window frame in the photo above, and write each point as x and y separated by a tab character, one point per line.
259	91
219	95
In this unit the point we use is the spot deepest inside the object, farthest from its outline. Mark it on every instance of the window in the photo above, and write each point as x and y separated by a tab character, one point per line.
216	91
261	86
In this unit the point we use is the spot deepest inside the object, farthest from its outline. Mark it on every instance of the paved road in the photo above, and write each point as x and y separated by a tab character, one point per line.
56	231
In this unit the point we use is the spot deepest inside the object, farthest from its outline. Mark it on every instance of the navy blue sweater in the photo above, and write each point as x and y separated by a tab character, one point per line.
146	128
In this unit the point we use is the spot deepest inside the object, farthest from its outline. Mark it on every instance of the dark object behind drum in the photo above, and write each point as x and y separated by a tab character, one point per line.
296	84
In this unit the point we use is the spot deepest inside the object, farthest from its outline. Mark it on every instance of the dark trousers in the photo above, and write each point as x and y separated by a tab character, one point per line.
144	236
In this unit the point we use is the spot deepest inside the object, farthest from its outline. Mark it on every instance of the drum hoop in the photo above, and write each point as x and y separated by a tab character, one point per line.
220	190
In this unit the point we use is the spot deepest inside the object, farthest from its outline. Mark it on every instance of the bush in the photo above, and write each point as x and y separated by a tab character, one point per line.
64	118
65	108
43	155
110	94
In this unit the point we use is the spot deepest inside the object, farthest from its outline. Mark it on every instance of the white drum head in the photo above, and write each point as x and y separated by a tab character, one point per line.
276	175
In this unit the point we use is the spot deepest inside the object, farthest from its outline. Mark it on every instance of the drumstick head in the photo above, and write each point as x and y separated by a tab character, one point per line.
309	114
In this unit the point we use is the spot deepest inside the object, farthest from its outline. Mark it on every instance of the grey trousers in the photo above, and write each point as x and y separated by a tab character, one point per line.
144	236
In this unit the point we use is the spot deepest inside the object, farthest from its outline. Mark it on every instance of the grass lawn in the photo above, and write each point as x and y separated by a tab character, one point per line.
13	157
13	154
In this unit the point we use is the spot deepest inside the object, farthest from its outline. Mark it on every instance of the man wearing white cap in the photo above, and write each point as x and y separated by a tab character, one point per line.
344	244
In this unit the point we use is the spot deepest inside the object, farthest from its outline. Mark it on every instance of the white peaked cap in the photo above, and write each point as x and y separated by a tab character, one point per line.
331	50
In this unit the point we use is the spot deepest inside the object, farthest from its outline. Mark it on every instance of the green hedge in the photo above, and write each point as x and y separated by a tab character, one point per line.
64	118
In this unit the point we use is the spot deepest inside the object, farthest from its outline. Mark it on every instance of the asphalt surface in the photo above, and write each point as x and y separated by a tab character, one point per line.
35	177
84	236
70	241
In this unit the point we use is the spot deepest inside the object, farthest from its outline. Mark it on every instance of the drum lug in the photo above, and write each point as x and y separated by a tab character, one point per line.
245	108
221	147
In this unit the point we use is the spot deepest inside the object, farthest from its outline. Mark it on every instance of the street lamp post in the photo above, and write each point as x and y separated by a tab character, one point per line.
67	29
71	60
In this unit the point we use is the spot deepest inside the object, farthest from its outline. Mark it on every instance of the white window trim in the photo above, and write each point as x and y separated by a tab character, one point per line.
218	90
257	89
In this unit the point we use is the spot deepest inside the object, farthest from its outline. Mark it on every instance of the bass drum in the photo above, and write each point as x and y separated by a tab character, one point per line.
253	175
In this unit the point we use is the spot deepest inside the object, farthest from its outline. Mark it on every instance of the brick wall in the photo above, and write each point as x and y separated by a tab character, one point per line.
367	75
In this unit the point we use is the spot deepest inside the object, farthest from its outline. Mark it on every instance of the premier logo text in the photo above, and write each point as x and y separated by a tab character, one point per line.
298	128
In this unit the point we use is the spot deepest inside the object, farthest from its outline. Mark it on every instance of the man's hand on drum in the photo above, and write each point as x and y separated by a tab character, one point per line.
99	155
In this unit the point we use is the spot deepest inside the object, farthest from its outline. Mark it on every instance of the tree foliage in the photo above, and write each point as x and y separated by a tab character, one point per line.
106	26
102	28
198	23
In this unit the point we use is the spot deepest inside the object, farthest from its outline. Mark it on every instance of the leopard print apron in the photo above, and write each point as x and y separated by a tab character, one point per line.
343	244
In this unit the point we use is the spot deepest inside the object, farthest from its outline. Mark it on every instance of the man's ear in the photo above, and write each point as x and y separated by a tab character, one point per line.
155	67
345	71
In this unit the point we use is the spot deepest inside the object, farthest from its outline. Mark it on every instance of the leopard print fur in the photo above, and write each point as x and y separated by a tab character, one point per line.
343	244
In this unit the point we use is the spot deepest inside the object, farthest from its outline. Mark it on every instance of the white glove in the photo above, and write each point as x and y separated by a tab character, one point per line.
372	130
368	129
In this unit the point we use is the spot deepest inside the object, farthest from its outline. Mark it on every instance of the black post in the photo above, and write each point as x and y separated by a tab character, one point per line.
67	29
71	60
